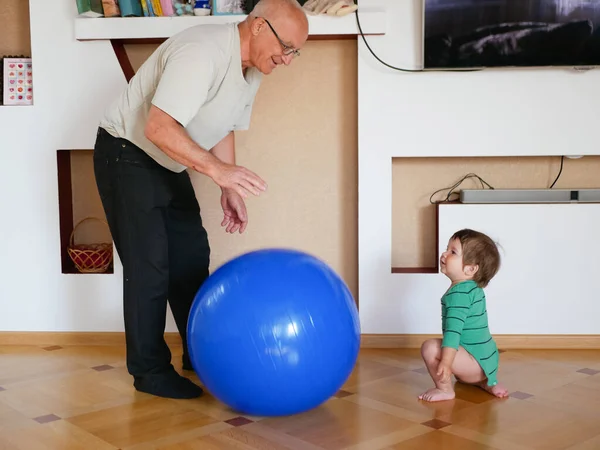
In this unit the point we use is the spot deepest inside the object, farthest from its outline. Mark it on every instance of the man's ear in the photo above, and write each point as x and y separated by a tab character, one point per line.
257	25
471	269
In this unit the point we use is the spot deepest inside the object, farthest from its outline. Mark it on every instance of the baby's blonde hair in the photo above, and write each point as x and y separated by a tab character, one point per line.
479	249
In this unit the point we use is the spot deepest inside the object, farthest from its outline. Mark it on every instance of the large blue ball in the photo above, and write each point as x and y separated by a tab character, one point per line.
273	332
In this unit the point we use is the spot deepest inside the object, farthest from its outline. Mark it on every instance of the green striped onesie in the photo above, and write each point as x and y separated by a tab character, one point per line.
465	324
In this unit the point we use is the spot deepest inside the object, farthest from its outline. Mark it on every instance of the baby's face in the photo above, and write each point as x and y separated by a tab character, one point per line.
451	261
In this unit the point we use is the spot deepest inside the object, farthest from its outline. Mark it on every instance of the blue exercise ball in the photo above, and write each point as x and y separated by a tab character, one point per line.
273	332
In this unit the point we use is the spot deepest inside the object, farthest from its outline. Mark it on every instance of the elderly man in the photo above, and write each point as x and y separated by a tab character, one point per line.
178	112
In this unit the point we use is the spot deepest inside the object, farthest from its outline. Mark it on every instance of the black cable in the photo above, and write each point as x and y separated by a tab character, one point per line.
562	158
455	185
373	53
399	68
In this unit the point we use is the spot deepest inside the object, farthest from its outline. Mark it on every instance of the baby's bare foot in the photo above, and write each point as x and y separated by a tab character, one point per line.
425	393
436	395
498	390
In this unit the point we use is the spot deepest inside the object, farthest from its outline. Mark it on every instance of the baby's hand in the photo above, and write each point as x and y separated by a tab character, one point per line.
444	373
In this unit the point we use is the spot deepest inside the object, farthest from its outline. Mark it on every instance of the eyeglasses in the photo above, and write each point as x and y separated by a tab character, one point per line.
287	50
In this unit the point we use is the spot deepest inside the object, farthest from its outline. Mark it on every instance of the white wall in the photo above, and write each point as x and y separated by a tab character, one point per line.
509	112
548	281
399	115
72	81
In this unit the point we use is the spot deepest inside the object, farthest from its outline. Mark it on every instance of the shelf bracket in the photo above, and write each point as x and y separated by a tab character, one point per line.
119	48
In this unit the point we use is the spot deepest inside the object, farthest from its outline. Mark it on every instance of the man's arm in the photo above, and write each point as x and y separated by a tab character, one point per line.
169	136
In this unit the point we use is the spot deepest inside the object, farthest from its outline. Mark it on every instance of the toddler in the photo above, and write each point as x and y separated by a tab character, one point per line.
467	348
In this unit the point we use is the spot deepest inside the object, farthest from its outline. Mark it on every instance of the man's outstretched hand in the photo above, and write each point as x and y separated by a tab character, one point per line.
235	216
238	179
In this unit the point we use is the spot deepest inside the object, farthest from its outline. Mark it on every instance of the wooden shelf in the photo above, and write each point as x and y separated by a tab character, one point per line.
415	269
372	21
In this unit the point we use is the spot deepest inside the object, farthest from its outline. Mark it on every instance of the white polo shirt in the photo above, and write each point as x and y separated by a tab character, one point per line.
196	77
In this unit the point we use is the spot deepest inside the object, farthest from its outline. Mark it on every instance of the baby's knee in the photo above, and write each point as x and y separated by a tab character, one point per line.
431	348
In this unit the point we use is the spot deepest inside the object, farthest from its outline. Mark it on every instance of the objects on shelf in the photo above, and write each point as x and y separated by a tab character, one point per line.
111	8
202	8
228	7
330	7
130	8
152	8
183	7
17	81
141	8
163	8
90	8
174	8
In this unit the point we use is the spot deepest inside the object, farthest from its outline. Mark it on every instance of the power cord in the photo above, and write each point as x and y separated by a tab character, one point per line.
455	185
399	68
562	159
373	53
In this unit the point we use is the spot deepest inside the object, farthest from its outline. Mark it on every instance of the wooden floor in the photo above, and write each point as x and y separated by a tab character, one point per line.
82	398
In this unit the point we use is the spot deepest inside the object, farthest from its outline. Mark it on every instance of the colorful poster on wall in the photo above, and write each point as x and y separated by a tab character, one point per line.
18	81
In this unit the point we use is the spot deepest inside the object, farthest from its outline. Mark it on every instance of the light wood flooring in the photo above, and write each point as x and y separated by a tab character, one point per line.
81	397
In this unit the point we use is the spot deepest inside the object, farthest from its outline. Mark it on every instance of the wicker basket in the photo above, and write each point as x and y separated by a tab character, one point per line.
90	258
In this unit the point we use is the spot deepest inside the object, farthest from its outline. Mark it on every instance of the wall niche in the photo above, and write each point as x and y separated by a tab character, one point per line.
82	218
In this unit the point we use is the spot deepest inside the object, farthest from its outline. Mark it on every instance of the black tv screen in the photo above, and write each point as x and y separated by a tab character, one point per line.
462	34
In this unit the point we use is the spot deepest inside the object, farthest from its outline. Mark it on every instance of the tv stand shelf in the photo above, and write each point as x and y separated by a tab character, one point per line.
372	21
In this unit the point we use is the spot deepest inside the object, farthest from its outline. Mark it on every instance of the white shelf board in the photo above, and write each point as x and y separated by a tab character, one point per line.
372	21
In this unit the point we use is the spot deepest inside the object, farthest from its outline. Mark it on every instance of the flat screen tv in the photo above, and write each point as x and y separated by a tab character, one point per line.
466	34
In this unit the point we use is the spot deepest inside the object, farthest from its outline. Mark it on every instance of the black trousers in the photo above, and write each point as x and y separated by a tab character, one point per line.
155	222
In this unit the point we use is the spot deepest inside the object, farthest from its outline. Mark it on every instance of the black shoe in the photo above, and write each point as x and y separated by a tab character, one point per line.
169	385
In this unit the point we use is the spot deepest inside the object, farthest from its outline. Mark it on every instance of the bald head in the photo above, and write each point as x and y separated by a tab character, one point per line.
274	8
285	15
